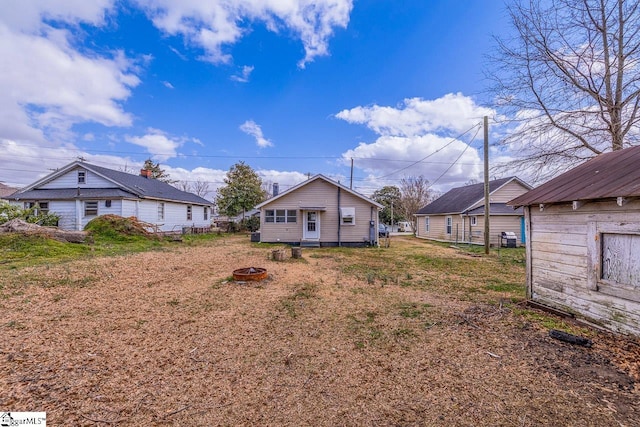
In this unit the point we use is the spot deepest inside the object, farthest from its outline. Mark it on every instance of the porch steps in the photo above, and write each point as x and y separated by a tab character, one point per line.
309	244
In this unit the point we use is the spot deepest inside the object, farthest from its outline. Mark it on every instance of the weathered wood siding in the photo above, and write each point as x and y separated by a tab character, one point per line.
321	194
566	261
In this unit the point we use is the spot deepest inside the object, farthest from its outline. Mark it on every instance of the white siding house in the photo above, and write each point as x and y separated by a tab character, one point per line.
583	240
319	212
80	191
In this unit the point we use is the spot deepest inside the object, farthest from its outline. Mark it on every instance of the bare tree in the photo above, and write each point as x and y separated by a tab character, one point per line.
183	185
201	188
569	80
414	194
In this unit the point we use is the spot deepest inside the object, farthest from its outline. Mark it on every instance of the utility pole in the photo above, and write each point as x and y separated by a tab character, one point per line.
351	182
487	236
391	216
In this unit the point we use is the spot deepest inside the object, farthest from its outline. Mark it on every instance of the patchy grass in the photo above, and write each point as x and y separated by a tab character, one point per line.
18	250
294	303
413	334
449	271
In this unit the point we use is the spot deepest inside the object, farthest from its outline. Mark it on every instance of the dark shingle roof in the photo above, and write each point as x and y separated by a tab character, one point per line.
609	175
72	193
147	187
128	185
459	199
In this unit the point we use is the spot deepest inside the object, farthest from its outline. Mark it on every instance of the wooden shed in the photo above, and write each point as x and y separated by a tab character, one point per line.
583	240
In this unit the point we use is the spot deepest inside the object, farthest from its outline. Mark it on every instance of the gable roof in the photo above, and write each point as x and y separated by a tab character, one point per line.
315	178
125	185
460	199
608	175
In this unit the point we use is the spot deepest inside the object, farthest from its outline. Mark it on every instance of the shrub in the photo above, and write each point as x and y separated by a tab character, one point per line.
31	215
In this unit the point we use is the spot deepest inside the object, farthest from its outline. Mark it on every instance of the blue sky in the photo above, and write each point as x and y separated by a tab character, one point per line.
290	87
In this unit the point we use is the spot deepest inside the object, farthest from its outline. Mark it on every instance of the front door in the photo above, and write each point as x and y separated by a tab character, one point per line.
311	226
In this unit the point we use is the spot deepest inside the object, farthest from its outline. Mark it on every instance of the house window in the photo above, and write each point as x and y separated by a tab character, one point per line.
474	220
426	224
82	177
618	266
281	216
161	211
269	215
90	208
43	208
348	216
38	207
448	223
206	213
189	212
107	203
612	249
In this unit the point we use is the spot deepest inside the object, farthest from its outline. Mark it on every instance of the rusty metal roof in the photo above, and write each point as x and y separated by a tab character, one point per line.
608	175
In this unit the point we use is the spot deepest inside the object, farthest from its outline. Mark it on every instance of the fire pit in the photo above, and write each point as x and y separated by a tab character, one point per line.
250	274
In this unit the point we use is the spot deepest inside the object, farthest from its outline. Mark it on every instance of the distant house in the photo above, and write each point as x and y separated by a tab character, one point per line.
79	192
319	212
6	191
583	240
458	215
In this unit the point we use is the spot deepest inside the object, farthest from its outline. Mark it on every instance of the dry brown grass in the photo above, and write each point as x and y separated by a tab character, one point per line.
415	334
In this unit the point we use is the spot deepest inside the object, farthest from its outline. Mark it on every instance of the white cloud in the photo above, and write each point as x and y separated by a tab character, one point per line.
28	15
47	84
453	113
419	137
449	161
30	162
252	128
160	145
168	85
214	24
243	77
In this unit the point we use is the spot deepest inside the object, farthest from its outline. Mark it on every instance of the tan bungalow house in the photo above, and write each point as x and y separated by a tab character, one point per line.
319	212
458	215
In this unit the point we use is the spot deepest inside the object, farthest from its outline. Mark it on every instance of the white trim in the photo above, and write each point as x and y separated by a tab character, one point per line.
305	232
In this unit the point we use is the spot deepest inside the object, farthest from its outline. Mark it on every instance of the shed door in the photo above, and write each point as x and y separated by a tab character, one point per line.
311	226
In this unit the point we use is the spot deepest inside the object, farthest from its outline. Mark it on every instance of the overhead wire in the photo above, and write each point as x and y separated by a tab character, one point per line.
454	139
413	163
456	160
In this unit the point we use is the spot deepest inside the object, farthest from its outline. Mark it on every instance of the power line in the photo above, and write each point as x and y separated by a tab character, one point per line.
435	152
456	160
239	157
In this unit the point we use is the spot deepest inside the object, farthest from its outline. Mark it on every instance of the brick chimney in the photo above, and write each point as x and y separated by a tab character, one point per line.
145	173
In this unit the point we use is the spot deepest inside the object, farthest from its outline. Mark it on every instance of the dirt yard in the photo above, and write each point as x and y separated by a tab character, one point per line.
168	338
